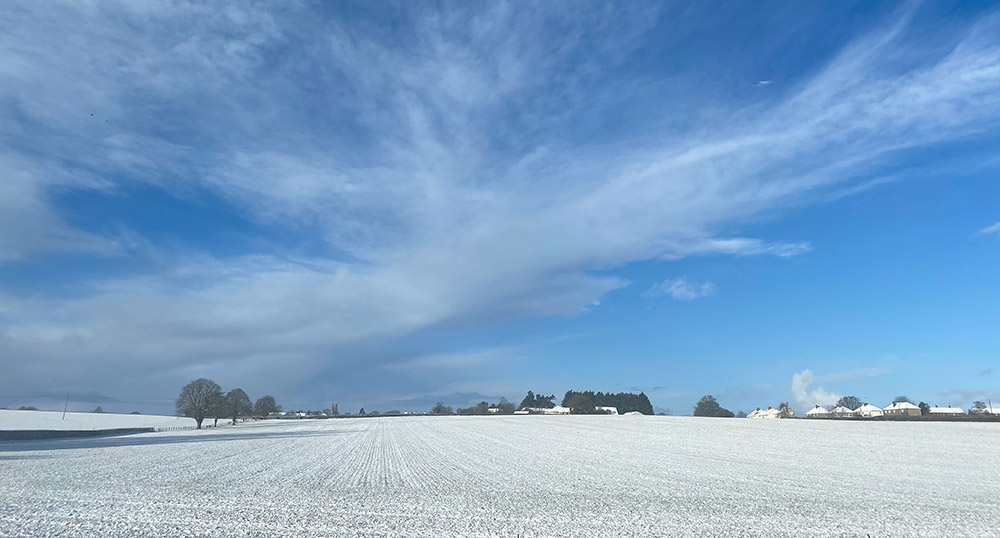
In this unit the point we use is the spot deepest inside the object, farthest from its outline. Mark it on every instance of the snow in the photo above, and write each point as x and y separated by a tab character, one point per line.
52	420
509	476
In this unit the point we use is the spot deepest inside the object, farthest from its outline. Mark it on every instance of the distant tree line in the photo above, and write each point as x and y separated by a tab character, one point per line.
708	406
441	409
203	398
503	407
540	401
587	402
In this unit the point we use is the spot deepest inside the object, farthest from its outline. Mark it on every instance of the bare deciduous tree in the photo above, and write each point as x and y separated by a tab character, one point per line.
196	399
238	404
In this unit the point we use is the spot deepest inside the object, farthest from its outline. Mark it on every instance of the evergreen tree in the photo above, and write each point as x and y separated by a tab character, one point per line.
624	402
708	406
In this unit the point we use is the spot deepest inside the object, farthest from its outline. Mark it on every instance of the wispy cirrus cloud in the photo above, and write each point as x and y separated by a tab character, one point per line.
991	229
448	177
681	289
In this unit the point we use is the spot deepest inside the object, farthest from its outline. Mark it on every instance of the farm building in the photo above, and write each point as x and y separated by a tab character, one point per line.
818	412
869	411
946	411
841	411
755	413
901	409
560	410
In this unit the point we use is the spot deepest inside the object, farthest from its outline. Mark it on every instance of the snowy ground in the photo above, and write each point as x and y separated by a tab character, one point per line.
53	420
510	476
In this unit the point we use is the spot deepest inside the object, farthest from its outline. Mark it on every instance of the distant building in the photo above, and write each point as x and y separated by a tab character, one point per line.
818	412
869	411
843	412
335	409
608	410
557	410
946	411
901	409
771	412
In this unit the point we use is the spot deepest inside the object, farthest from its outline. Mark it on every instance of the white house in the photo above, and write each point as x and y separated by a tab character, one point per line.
902	409
841	411
755	413
818	412
608	410
946	411
869	411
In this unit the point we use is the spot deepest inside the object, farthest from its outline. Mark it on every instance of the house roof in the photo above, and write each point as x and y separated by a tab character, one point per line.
869	408
817	411
947	411
901	405
842	409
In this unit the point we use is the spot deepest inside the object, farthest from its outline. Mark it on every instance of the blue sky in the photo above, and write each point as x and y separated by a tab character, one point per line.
392	204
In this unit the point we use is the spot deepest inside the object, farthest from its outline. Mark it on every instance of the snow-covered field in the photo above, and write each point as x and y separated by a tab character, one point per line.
53	420
511	476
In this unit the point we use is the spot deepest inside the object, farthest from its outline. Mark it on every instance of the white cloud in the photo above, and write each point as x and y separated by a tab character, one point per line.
444	208
28	224
681	289
804	398
992	229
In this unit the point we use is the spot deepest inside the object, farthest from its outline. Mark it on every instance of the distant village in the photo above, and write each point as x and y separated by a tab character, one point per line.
900	409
